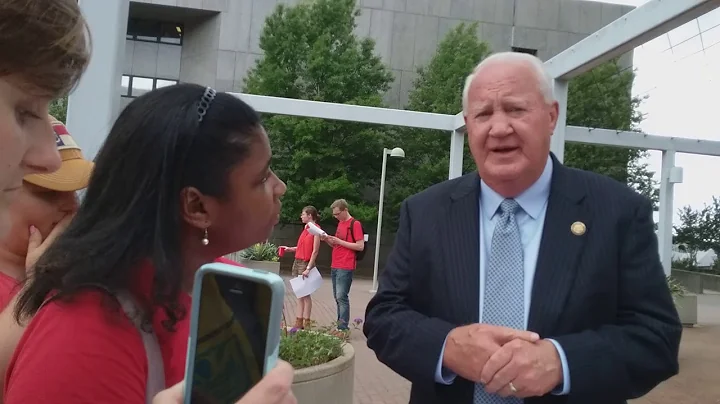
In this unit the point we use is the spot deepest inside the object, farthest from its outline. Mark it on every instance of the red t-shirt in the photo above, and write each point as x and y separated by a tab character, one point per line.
79	352
9	286
344	258
305	245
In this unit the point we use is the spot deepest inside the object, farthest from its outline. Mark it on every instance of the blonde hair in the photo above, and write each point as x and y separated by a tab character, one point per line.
45	44
340	204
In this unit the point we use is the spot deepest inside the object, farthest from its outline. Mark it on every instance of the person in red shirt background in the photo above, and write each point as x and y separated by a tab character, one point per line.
345	243
42	209
306	253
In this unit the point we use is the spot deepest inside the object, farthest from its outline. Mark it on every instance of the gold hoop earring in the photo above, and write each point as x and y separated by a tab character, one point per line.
205	240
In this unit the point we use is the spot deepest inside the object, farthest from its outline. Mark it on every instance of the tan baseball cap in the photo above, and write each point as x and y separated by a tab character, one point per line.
74	173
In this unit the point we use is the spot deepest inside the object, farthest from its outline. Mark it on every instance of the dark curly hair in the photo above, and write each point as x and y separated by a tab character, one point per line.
131	210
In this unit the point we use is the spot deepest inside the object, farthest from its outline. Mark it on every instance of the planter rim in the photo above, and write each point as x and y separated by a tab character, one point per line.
248	260
333	367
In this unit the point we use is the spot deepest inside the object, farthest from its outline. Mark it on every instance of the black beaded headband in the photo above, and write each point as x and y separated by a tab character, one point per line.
205	102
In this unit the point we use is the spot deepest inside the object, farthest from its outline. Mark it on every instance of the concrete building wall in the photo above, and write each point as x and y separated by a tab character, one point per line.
221	40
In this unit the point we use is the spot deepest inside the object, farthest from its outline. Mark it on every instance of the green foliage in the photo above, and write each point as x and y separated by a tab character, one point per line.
699	230
261	252
313	345
437	89
676	289
311	53
687	264
58	109
305	348
602	98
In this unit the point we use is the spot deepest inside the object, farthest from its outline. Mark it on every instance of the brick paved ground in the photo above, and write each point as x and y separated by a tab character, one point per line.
375	383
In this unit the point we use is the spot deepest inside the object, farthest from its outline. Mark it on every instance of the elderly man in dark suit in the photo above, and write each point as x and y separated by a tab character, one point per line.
528	244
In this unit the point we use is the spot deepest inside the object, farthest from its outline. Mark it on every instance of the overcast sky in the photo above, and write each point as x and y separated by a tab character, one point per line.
679	74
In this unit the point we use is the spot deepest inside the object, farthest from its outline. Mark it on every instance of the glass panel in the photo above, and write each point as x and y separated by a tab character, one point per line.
687	48
140	86
709	20
125	82
164	83
144	30
683	33
171	33
711	37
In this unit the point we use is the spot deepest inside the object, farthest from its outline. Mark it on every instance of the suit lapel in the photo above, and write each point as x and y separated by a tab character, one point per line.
460	242
560	250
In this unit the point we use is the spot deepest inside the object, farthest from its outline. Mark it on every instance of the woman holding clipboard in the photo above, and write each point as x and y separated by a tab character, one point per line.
306	252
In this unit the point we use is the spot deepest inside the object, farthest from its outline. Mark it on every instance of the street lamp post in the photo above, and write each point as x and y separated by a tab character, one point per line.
396	152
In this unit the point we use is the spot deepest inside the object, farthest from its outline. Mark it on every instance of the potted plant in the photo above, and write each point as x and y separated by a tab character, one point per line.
324	365
686	303
262	256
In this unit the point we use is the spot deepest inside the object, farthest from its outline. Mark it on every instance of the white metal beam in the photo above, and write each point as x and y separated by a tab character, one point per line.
665	222
457	146
385	116
557	142
347	112
638	140
643	24
459	121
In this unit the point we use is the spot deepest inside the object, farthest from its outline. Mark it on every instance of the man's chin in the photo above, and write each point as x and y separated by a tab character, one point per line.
505	171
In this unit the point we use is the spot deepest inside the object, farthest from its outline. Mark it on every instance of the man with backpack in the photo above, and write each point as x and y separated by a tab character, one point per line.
348	246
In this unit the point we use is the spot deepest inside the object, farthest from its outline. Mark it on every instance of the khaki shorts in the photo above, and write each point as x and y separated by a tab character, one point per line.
299	266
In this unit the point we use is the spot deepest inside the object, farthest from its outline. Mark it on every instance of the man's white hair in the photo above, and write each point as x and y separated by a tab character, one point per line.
545	81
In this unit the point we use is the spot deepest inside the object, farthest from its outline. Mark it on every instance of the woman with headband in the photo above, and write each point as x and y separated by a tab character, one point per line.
183	177
44	49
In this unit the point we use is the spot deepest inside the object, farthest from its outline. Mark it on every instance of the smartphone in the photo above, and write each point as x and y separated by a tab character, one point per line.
234	332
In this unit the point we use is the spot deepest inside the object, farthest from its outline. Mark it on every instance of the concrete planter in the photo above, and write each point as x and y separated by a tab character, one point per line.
687	307
269	266
329	383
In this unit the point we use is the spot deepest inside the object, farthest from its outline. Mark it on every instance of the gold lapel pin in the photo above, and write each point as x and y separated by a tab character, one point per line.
578	228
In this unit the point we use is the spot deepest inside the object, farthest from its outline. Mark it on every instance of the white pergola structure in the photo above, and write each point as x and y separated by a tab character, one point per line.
645	23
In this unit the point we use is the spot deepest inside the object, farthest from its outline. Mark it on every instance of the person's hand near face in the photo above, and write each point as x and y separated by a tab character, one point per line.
37	244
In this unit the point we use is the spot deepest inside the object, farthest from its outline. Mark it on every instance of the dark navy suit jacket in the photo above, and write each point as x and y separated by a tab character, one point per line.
603	295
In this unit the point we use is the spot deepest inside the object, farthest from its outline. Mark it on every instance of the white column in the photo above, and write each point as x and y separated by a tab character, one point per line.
93	106
667	187
557	143
457	144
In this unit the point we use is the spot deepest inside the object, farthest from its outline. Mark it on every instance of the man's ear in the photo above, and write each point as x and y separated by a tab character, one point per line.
195	208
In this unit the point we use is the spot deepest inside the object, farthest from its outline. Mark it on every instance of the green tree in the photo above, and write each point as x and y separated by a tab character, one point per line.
602	98
699	230
58	109
311	53
437	89
688	233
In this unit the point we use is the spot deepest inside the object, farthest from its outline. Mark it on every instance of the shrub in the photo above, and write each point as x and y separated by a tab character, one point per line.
676	289
260	252
312	346
305	348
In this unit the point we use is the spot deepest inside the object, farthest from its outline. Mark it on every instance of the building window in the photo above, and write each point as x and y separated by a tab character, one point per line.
155	31
525	50
135	86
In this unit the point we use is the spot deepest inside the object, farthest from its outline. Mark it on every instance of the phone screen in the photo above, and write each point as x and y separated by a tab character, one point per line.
231	338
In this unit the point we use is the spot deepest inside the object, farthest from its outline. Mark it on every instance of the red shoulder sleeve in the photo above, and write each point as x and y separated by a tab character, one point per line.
357	231
79	352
